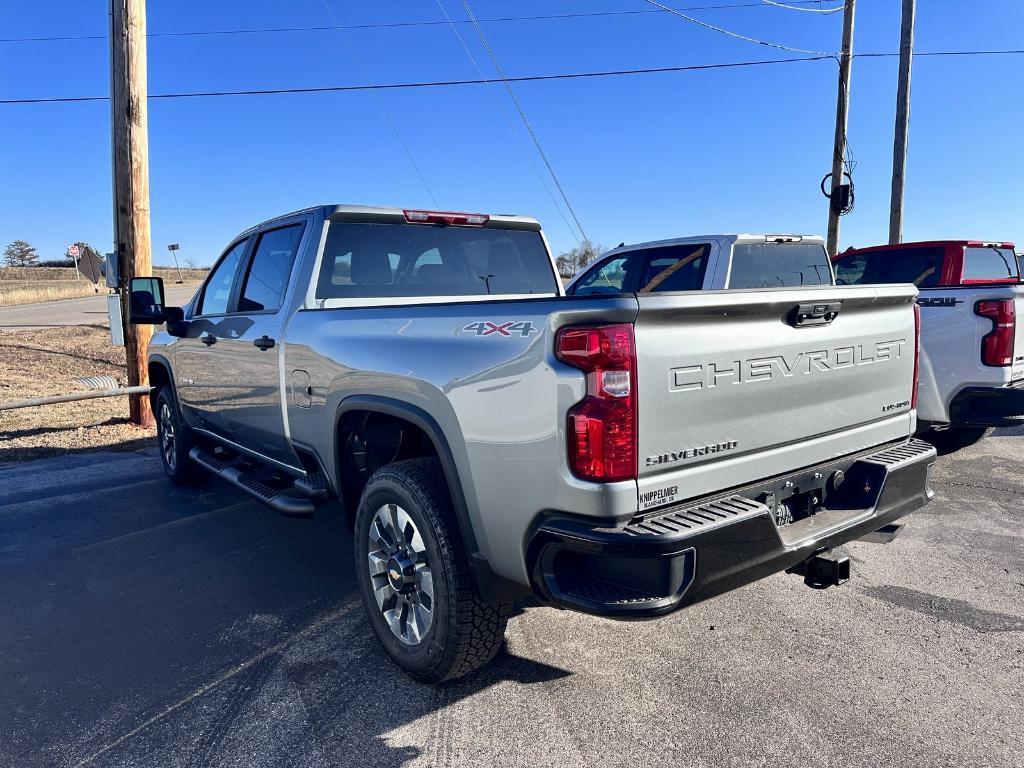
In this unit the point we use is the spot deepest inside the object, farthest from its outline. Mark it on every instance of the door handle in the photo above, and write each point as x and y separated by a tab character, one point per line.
264	343
209	339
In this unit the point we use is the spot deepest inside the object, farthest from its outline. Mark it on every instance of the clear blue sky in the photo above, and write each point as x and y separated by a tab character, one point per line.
641	157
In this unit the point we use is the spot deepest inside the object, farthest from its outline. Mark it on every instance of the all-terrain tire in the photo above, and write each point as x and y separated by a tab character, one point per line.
175	440
950	440
464	631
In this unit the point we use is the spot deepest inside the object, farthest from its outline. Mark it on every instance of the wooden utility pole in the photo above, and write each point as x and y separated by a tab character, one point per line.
842	107
130	142
899	142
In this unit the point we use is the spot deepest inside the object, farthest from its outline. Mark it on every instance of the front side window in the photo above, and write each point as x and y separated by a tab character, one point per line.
604	280
364	260
271	264
779	265
217	291
673	268
989	263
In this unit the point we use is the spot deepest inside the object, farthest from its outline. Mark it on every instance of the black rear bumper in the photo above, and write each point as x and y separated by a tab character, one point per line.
988	407
662	561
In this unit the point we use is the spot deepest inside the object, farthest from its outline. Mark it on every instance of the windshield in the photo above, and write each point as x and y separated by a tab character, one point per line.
394	260
779	265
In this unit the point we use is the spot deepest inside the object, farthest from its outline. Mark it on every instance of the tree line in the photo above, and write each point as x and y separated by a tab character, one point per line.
21	253
572	261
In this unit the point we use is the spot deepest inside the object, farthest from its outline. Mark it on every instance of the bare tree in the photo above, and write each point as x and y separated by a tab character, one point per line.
20	254
572	261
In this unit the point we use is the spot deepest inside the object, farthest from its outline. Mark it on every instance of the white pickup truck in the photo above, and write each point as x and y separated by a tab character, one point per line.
707	262
972	357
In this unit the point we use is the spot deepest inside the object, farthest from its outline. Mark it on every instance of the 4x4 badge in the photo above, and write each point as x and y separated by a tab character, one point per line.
508	328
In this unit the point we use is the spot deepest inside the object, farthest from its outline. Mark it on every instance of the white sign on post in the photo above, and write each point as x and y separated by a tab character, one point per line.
73	251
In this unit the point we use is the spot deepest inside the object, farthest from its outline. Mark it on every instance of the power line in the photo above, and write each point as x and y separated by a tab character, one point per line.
519	79
508	122
793	7
737	35
522	114
399	24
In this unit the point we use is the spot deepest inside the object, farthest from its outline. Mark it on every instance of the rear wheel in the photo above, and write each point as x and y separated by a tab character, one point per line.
413	576
175	440
953	439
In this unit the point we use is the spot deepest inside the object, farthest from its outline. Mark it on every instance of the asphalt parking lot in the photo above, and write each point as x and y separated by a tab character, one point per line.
143	625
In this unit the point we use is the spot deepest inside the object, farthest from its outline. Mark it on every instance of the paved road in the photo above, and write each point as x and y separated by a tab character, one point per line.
144	625
92	310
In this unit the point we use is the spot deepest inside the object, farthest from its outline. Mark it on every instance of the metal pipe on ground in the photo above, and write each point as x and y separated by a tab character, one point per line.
37	401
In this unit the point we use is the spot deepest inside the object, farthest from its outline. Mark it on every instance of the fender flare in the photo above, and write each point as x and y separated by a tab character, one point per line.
163	362
490	586
416	415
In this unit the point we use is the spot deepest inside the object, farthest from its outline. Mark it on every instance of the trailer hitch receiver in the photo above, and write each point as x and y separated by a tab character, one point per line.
823	570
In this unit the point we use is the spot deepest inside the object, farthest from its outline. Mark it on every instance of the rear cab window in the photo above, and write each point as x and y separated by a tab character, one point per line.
984	264
778	265
385	260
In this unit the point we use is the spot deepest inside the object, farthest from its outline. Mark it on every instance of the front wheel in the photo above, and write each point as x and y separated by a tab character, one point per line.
175	440
950	440
413	576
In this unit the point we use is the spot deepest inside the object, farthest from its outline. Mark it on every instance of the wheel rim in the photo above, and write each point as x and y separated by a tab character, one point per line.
167	435
400	574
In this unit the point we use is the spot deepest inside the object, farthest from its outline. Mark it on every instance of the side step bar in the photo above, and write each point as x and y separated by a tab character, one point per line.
277	500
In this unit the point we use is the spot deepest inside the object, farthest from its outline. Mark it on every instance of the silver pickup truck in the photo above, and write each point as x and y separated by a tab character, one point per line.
624	456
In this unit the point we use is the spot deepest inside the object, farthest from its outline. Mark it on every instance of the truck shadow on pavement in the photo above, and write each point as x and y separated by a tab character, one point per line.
146	624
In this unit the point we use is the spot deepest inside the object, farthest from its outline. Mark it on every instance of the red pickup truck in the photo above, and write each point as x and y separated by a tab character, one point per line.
972	355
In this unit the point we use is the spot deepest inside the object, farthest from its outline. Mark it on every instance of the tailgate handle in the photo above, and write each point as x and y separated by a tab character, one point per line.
809	315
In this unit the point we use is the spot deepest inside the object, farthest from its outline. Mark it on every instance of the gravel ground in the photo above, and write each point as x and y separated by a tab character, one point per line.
147	625
35	363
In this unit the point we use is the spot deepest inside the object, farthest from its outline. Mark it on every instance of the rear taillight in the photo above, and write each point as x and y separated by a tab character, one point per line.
997	344
602	427
447	218
917	355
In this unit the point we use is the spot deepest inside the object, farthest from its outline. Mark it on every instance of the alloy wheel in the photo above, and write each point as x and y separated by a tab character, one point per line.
400	574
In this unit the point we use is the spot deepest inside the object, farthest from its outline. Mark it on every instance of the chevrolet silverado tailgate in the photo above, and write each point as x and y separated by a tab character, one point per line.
736	386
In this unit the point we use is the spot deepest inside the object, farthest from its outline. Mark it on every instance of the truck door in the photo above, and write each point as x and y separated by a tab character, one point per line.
249	359
197	375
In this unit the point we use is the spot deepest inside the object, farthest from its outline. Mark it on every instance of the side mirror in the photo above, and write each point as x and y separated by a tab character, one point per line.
177	325
147	301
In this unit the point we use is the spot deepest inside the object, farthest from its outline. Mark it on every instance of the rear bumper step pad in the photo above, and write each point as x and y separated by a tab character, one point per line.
661	562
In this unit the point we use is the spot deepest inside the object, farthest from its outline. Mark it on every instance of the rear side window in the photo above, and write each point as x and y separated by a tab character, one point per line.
779	265
217	291
605	280
989	264
267	276
673	268
919	266
364	260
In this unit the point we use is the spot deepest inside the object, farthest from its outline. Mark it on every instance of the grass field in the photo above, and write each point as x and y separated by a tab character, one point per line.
32	285
46	362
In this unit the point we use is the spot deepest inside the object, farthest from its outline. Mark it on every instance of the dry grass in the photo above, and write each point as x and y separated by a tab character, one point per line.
44	362
33	285
26	292
36	274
